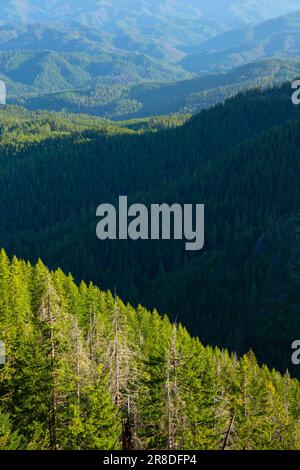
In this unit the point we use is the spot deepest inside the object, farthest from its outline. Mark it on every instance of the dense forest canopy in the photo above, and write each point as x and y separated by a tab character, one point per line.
80	363
127	60
240	159
115	100
138	343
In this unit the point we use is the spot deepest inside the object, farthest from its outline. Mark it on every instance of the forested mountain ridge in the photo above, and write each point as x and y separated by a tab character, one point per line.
20	127
163	27
125	101
110	12
80	362
279	37
228	158
113	68
32	73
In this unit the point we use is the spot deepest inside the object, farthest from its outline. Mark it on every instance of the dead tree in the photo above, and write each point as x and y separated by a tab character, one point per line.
228	432
127	443
121	362
174	403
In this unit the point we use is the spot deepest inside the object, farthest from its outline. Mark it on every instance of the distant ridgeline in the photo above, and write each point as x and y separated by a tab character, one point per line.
80	362
142	96
240	159
121	63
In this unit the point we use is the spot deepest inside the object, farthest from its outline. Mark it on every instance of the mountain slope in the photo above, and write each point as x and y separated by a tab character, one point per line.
80	67
279	37
121	101
29	73
160	28
66	389
228	158
109	12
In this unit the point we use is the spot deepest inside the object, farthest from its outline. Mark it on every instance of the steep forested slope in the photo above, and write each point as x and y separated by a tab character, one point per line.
80	362
240	159
29	74
123	101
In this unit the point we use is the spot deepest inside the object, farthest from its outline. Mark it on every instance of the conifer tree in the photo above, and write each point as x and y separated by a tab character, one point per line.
84	371
9	439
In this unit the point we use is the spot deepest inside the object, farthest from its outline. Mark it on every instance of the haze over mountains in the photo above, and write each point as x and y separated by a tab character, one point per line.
83	370
160	28
112	58
138	100
117	14
107	10
278	37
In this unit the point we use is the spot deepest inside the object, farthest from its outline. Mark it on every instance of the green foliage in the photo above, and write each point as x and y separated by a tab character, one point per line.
80	363
138	63
30	75
227	157
20	128
133	100
9	439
